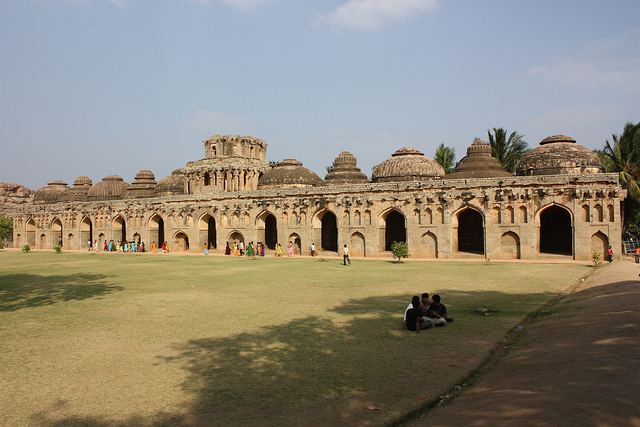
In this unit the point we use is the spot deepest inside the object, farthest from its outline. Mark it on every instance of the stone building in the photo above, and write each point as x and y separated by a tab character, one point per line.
558	204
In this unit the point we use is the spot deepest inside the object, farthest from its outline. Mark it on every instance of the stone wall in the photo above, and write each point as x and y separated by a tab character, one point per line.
495	218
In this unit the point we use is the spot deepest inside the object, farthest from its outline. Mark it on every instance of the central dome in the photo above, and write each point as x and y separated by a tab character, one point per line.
559	154
110	188
407	164
289	173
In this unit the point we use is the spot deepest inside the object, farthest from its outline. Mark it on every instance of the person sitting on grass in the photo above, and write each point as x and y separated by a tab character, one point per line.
413	320
437	312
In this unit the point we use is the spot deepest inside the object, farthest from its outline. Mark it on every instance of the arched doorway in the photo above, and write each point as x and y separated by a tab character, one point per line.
207	232
31	233
329	233
235	237
470	232
43	241
119	229
555	231
297	244
395	229
156	230
181	242
86	231
267	230
357	245
509	246
600	244
71	242
428	245
56	233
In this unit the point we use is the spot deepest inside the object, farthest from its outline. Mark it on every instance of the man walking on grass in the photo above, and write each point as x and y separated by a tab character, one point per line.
345	255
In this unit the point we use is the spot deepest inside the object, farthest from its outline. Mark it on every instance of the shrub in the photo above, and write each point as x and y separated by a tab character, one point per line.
596	257
58	249
400	250
26	248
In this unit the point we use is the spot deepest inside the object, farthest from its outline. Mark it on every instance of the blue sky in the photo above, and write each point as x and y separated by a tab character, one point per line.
97	87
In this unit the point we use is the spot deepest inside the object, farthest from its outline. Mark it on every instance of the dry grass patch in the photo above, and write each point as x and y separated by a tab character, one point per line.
122	339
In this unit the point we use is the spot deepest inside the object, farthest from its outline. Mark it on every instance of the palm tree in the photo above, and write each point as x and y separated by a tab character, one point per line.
330	167
623	157
446	157
509	150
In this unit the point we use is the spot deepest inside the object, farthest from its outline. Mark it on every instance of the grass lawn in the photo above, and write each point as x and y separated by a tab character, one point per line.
123	339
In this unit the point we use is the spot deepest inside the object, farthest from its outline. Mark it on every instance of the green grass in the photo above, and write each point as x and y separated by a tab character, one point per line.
123	339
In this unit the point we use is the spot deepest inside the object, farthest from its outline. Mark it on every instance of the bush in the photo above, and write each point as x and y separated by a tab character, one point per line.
58	249
596	257
400	250
26	248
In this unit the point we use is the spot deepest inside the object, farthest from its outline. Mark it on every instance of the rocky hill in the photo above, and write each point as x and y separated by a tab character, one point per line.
14	194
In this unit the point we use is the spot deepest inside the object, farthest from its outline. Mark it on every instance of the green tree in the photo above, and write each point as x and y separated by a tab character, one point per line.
400	250
330	167
508	150
446	157
622	156
6	226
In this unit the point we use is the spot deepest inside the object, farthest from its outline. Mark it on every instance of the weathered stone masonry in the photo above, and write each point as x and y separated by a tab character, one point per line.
233	194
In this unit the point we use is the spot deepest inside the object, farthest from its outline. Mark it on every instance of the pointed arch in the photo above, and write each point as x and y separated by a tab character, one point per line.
428	245
394	227
207	233
556	230
357	245
325	229
180	241
509	246
600	244
156	229
469	223
267	227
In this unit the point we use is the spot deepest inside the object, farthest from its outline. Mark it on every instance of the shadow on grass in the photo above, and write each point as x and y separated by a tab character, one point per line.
311	370
19	291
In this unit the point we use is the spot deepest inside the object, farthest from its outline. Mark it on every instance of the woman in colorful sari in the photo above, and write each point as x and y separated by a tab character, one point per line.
227	250
250	249
290	249
153	248
278	249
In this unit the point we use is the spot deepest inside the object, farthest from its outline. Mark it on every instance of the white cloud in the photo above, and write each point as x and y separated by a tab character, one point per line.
583	115
375	14
211	122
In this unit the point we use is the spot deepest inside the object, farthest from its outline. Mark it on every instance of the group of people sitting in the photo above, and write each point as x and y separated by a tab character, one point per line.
424	314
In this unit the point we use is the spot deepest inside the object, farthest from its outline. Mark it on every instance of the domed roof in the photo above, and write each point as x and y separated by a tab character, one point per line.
479	163
407	164
289	173
82	180
171	185
78	193
110	188
51	192
559	154
143	186
345	171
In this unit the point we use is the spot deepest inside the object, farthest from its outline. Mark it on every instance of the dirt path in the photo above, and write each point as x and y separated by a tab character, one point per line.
579	365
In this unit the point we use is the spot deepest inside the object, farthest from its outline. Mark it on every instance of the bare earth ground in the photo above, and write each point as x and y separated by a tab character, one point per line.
577	364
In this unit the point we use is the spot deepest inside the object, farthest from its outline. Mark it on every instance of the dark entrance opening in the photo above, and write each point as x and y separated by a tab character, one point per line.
395	230
329	232
555	231
270	232
211	233
470	232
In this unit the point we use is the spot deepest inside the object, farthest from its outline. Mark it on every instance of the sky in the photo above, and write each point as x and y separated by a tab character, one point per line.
111	87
